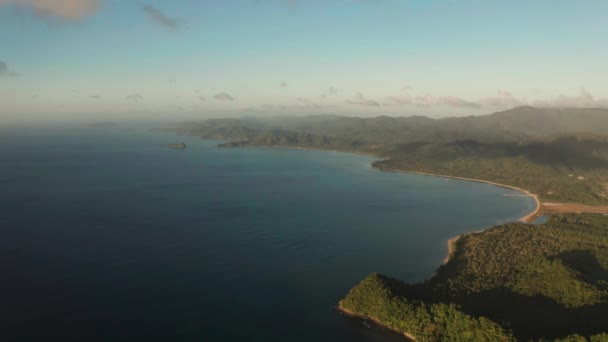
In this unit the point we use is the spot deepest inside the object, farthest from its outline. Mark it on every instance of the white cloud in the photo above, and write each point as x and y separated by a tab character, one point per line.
502	99
223	97
448	101
583	100
454	101
360	100
399	99
304	102
66	10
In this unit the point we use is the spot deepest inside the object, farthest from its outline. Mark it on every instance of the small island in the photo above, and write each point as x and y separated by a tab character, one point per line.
180	145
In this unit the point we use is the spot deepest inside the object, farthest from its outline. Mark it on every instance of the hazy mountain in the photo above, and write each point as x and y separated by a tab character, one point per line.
516	124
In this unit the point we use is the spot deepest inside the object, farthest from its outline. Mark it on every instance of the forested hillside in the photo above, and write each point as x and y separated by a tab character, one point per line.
516	281
516	124
562	169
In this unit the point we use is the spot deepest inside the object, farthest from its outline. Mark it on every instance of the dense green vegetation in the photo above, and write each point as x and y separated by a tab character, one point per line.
377	297
545	282
560	169
559	154
517	124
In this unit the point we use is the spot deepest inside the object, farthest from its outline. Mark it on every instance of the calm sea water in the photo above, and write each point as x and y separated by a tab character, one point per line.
106	235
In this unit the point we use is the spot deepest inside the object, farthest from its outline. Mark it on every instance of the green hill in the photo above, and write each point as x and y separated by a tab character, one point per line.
512	282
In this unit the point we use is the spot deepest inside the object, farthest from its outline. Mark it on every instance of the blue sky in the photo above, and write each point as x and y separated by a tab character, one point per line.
90	59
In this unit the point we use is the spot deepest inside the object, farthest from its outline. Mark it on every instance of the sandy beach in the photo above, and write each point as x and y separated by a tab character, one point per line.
527	218
451	242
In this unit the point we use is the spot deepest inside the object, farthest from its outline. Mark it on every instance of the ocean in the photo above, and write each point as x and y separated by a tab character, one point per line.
108	235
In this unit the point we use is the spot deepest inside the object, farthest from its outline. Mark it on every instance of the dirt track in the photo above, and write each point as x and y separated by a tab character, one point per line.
561	208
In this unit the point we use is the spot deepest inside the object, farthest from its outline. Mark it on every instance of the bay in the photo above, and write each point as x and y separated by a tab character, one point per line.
108	235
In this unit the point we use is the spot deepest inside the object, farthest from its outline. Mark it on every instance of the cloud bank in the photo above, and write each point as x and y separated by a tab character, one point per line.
502	100
583	100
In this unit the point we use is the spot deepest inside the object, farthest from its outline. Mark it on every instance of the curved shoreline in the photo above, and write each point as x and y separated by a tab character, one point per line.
527	218
452	241
375	321
308	149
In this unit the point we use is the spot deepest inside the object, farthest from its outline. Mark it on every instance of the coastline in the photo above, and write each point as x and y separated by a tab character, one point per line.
526	218
451	248
452	241
456	245
309	149
375	321
529	218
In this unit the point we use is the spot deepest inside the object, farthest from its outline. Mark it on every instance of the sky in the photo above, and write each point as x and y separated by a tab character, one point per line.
189	59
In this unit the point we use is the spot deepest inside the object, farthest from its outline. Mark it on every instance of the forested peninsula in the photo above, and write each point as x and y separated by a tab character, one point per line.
512	282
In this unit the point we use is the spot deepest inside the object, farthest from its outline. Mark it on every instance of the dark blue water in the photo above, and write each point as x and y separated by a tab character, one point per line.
106	235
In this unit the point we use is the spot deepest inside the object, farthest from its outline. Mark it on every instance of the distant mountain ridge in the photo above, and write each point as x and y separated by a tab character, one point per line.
549	121
520	123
